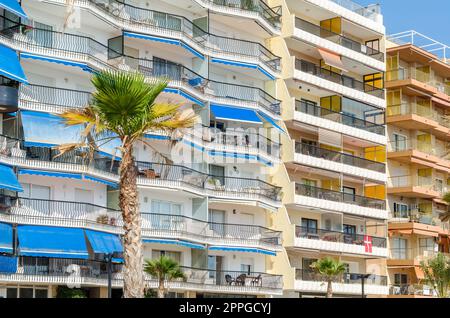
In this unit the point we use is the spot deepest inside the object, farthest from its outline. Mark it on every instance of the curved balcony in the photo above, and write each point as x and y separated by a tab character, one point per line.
338	39
346	81
154	225
13	151
84	52
94	273
56	100
133	18
260	8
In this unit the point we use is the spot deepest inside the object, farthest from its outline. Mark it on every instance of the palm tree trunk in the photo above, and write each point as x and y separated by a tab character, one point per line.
329	289
161	288
133	274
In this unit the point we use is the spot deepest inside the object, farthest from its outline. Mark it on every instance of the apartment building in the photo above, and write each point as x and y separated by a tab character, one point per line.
418	97
334	177
207	202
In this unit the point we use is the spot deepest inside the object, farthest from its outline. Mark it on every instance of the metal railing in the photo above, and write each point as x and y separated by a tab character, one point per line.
418	254
417	215
410	181
271	15
346	278
79	214
411	289
338	39
411	109
337	236
339	117
336	196
81	46
347	81
156	19
419	75
236	186
335	156
89	269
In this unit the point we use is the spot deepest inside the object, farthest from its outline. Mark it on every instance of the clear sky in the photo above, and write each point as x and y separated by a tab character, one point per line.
429	17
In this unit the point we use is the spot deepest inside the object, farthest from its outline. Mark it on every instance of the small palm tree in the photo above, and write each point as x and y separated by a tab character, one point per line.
329	269
164	269
124	108
437	274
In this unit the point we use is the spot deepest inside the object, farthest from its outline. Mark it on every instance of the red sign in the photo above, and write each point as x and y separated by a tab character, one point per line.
368	243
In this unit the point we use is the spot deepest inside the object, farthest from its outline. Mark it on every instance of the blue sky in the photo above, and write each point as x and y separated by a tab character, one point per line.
429	17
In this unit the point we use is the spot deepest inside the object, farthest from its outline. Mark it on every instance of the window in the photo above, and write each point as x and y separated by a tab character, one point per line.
84	196
11	292
400	279
349	229
349	194
26	292
247	265
307	107
166	207
400	210
439	185
373	81
176	256
373	46
40	195
218	172
426	245
309	225
399	250
399	142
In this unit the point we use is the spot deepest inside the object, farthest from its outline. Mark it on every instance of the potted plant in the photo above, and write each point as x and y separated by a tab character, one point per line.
102	219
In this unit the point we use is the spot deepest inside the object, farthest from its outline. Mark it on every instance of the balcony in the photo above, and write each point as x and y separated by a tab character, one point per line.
343	162
84	52
342	80
339	121
413	186
171	25
371	12
56	100
411	291
149	174
419	79
406	219
308	280
336	196
154	225
341	242
411	257
94	273
338	39
272	16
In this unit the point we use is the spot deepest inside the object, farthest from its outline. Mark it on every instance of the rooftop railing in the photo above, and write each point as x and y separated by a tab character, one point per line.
337	196
313	69
346	278
245	187
337	236
371	12
340	157
79	214
151	18
80	47
339	117
73	269
338	39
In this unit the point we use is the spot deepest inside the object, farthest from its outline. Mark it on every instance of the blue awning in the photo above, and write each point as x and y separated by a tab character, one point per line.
236	114
10	65
8	179
175	242
104	243
43	128
242	249
56	174
48	241
8	264
108	183
13	6
271	121
6	238
83	66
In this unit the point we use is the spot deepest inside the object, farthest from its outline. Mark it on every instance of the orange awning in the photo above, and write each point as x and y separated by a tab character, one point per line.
419	273
332	59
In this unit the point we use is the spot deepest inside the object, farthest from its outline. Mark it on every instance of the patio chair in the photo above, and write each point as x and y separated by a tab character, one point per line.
257	281
240	280
230	281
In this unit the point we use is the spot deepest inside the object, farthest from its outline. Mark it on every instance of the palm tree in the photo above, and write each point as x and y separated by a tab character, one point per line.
329	269
123	107
437	274
164	269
